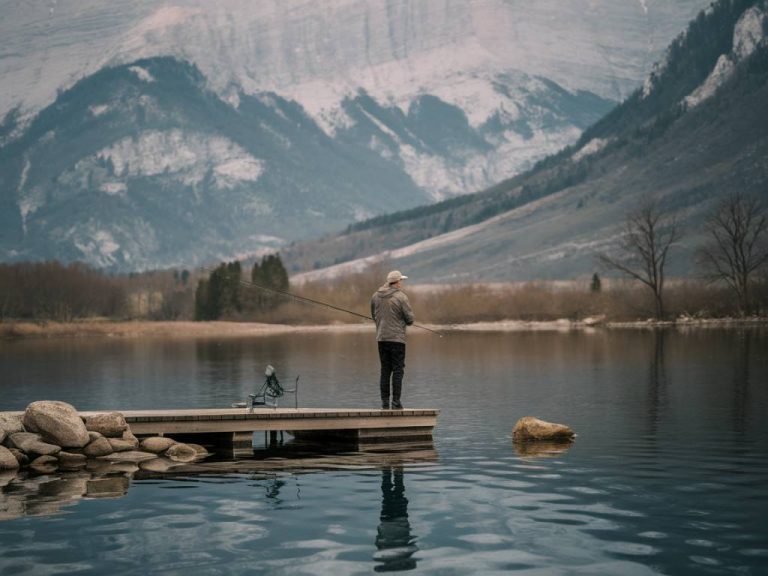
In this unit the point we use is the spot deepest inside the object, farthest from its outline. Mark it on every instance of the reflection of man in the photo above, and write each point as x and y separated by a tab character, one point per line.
392	312
394	541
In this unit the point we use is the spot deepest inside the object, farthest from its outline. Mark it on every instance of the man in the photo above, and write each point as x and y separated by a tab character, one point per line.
392	312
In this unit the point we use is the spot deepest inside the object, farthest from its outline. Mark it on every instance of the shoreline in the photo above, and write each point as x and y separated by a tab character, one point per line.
221	329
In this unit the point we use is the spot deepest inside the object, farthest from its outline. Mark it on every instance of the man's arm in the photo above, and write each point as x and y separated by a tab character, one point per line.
373	310
405	307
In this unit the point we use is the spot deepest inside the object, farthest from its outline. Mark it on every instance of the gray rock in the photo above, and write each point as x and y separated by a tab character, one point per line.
2	435
107	487
6	477
99	467
44	464
201	450
120	445
530	428
21	458
156	444
58	423
71	461
110	424
129	437
30	443
11	423
7	459
92	436
132	456
181	453
99	447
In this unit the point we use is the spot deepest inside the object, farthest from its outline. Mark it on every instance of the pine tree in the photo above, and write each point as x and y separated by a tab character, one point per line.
596	285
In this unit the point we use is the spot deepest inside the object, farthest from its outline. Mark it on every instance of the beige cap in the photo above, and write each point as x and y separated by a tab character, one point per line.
395	276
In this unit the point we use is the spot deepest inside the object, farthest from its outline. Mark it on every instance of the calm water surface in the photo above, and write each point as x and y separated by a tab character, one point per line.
667	476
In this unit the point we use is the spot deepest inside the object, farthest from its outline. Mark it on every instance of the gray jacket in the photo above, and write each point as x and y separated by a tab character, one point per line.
392	312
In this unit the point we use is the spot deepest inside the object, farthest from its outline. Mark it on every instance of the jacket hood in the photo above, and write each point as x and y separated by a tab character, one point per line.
386	291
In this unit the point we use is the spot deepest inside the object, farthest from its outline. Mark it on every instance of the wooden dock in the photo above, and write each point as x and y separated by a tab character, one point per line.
235	426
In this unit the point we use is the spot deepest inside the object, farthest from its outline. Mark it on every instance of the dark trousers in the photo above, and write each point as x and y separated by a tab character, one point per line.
392	357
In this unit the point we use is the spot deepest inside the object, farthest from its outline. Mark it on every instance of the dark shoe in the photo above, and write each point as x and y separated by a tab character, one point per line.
385	405
396	405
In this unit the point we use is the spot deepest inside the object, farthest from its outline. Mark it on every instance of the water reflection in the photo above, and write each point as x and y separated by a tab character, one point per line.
657	379
741	383
30	495
541	448
394	541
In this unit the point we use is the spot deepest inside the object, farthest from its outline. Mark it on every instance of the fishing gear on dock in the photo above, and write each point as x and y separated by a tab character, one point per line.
315	302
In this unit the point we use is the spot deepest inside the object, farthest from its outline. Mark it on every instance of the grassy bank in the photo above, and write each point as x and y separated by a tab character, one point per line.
507	306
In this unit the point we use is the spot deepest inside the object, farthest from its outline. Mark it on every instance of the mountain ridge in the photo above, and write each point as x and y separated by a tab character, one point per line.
572	204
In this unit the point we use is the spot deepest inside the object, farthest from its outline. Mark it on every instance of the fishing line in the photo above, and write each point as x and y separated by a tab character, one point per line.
316	302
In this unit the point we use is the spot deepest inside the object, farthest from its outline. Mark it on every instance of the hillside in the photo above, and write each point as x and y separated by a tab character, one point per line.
698	129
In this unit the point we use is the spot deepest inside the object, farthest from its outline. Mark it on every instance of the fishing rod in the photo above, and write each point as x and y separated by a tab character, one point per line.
316	302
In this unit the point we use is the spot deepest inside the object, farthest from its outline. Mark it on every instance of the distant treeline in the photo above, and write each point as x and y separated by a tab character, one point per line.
54	291
50	291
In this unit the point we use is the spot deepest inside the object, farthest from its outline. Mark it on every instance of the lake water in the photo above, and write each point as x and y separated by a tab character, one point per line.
668	474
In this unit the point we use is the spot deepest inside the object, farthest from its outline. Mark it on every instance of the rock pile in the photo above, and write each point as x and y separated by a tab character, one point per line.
51	436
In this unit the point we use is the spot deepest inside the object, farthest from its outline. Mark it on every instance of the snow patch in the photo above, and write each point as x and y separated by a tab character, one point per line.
237	170
723	70
99	248
183	156
142	73
114	188
26	205
97	111
748	34
591	147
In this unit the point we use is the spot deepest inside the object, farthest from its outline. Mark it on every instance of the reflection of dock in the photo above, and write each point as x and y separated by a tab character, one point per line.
24	494
292	460
235	426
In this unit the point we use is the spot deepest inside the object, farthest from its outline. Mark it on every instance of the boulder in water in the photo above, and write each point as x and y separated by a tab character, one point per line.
57	422
44	464
181	453
30	443
129	437
130	456
7	459
156	444
11	423
109	424
21	458
71	461
98	447
120	445
530	428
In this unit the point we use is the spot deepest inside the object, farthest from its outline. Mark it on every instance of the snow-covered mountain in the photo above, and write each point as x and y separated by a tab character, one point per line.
695	132
410	101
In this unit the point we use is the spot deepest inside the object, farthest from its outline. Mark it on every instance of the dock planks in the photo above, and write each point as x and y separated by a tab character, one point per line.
226	420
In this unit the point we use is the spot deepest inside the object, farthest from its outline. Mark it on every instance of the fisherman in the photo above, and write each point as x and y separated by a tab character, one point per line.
391	311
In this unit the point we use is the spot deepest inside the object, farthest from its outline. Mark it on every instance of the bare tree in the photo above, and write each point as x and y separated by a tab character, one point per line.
737	247
644	247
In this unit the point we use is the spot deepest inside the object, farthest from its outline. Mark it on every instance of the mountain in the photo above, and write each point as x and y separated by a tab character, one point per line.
696	130
155	133
141	165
